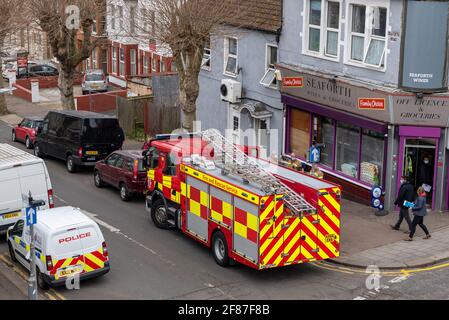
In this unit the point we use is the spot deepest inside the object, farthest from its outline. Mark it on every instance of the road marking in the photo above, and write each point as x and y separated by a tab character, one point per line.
118	232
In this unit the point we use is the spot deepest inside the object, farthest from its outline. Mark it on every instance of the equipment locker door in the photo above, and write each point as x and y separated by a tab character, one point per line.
310	249
246	229
197	204
271	231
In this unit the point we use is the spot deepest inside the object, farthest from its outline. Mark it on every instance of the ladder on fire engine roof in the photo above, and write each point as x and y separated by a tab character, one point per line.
231	159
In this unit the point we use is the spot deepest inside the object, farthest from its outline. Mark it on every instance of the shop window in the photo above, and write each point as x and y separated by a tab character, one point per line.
348	147
326	137
300	133
373	144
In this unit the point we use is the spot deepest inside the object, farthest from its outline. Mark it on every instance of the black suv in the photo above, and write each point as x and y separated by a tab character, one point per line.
81	138
37	70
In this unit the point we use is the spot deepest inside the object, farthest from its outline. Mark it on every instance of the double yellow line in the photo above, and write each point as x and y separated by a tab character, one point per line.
402	272
50	294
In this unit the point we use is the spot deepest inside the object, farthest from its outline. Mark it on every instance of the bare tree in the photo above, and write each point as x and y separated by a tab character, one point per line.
9	23
63	21
186	26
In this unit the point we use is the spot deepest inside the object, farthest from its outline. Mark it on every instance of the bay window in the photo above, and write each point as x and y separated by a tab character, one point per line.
145	64
122	62
368	35
114	60
322	28
133	61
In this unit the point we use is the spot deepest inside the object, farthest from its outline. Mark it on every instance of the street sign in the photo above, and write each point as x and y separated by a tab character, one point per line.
30	216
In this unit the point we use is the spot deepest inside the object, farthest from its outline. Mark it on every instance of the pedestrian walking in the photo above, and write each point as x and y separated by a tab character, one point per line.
405	194
419	211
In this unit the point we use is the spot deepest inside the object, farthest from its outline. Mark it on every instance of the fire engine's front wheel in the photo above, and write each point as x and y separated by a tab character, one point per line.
159	214
220	249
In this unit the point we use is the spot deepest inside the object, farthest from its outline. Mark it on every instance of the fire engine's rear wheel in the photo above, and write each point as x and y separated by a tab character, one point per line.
159	214
220	249
40	281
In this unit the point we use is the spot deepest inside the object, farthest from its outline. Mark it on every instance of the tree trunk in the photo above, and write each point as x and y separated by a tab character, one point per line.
189	89
3	106
66	88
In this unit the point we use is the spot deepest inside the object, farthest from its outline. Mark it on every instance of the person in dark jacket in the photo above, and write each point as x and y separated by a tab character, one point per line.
406	193
419	211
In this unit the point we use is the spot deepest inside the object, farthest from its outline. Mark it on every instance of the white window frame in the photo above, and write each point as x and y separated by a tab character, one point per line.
270	69
323	31
145	64
133	61
161	65
114	60
207	56
122	62
227	55
368	35
153	64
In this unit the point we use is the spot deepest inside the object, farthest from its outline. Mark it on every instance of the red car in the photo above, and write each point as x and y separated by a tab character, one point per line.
26	131
124	170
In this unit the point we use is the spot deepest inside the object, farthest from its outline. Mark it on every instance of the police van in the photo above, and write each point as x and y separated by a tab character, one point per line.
69	245
20	174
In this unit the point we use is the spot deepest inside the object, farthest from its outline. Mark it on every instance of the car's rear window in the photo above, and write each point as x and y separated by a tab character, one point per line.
94	77
102	131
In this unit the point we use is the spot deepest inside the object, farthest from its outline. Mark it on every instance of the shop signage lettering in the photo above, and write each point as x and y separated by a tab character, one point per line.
372	103
326	85
426	111
293	82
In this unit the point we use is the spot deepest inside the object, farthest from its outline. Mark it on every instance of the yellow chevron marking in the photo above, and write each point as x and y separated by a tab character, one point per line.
268	241
313	245
332	201
280	242
267	210
329	214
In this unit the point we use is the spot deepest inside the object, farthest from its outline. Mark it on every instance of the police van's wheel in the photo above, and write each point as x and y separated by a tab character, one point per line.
28	143
11	252
70	164
40	281
159	214
220	249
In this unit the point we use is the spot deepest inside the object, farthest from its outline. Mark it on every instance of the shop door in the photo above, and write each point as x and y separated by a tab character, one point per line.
419	163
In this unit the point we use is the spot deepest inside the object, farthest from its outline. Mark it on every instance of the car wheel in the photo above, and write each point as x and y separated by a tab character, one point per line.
40	280
11	252
13	136
28	143
37	151
124	193
70	164
220	249
159	214
97	179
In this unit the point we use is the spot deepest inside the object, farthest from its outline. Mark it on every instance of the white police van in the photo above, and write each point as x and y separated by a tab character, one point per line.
69	245
20	174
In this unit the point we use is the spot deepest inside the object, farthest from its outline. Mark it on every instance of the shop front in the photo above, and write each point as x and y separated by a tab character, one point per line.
368	136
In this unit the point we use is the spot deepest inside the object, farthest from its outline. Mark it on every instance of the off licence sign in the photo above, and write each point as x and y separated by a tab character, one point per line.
372	103
297	82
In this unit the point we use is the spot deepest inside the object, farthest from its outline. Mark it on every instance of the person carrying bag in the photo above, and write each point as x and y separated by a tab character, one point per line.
419	211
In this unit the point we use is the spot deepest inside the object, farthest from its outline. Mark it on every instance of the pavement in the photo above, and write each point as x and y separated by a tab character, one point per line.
367	239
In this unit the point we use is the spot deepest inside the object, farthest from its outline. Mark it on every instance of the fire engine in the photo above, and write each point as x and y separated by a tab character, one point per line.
245	209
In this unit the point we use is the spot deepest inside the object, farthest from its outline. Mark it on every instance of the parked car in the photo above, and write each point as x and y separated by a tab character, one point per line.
26	131
81	138
94	81
20	173
68	242
37	70
123	170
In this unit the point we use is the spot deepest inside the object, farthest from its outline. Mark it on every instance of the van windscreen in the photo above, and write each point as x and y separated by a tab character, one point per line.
102	131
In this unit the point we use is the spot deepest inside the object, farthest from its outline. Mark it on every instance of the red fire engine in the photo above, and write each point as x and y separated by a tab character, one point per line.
246	209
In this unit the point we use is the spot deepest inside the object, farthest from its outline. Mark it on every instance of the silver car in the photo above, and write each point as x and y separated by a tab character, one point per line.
94	81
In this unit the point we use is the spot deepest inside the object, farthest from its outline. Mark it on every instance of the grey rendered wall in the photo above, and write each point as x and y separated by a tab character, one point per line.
251	59
291	45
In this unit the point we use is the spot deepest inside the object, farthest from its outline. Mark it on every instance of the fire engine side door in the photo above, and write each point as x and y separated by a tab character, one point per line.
197	208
